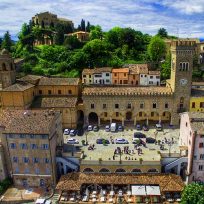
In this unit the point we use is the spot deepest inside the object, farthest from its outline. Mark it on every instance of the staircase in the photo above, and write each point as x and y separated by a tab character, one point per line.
55	198
67	162
175	163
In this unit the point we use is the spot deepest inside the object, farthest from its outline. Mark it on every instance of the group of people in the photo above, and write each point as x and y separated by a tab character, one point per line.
91	147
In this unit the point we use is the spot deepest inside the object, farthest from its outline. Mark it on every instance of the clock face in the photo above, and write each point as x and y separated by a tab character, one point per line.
183	82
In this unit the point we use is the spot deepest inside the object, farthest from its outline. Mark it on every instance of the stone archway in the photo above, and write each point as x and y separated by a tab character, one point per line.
104	170
120	170
152	171
128	116
93	118
80	116
88	170
166	117
154	117
141	118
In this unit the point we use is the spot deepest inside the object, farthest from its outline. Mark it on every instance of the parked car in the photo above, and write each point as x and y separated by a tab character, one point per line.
80	132
95	128
158	127
113	127
139	135
150	140
73	132
120	128
138	127
121	141
100	141
90	127
107	128
145	127
66	131
72	141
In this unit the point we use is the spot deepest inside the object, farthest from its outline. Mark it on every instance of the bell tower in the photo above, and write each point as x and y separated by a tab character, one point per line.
182	52
7	69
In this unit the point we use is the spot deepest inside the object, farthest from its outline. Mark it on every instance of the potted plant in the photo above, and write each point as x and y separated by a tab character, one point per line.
141	160
83	142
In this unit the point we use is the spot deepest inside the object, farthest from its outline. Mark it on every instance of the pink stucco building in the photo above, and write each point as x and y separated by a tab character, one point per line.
192	140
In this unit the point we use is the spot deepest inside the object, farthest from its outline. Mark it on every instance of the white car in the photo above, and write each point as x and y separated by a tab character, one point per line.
66	131
121	141
72	141
90	127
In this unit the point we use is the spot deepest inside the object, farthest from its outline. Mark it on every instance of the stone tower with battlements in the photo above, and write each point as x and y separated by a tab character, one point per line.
181	74
7	69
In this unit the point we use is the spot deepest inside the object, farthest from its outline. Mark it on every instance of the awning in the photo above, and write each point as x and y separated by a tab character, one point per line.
153	190
138	190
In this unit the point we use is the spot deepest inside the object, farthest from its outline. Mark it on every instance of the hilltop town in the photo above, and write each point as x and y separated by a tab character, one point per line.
105	128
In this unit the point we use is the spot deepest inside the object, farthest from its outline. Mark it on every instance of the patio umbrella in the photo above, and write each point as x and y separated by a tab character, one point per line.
87	191
101	192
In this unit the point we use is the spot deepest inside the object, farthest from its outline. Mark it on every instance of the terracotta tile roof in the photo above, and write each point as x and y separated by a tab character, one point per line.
154	72
120	70
167	182
150	90
87	71
138	68
197	121
54	102
33	79
19	86
46	81
97	70
27	121
197	92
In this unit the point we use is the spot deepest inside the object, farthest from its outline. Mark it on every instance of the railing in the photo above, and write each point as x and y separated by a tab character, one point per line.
122	162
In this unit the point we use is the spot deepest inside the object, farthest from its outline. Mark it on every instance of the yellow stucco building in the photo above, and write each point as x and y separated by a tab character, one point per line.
197	100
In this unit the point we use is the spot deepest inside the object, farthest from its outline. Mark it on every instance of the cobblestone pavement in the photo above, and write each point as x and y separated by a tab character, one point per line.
150	153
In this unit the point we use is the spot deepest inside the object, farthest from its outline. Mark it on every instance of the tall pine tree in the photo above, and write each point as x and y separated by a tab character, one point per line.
83	25
7	42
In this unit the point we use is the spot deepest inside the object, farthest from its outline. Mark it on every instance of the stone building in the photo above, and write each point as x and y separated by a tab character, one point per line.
7	69
29	139
82	36
48	19
144	104
39	92
192	137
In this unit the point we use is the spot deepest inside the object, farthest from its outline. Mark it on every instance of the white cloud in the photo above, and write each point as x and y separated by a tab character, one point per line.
142	15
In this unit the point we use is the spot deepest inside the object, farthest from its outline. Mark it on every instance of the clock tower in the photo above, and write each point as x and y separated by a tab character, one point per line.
7	69
182	52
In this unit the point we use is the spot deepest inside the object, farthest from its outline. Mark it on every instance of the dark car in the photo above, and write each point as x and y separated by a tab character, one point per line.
145	128
80	132
100	141
150	140
95	128
120	128
139	135
138	127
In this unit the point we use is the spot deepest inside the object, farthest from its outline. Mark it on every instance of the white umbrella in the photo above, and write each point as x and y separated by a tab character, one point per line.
87	191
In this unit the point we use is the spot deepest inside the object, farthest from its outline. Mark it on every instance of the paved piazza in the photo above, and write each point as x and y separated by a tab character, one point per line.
149	153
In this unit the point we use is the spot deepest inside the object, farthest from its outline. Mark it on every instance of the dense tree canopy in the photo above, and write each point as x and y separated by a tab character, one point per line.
193	194
162	32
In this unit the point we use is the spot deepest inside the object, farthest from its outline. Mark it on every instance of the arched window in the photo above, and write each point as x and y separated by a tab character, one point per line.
120	171
136	171
184	66
152	171
88	170
104	170
187	66
3	66
180	66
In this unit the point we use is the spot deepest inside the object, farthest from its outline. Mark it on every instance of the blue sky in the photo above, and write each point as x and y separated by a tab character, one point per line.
183	18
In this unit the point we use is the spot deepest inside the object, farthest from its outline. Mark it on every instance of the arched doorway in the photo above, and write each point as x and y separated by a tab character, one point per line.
88	170
129	115
93	118
129	119
154	117
104	170
105	118
3	66
120	171
166	117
